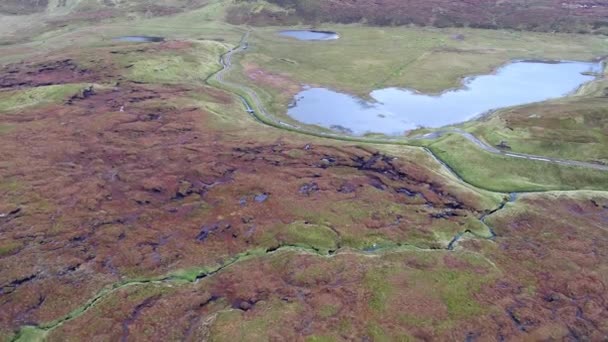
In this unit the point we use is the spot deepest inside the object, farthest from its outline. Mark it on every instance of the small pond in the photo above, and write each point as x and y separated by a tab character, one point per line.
310	34
140	39
393	111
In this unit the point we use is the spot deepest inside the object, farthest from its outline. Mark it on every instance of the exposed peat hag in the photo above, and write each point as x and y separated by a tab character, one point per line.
140	39
393	111
310	34
205	272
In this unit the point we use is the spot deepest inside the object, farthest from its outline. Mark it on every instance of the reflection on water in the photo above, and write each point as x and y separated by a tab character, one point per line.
394	111
310	35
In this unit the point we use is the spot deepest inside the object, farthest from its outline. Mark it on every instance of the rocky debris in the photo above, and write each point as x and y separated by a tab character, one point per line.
207	230
244	304
147	303
347	188
406	192
503	145
261	198
444	215
12	212
10	287
376	182
308	188
83	94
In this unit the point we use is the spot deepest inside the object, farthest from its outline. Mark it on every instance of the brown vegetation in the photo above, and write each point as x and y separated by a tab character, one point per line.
537	15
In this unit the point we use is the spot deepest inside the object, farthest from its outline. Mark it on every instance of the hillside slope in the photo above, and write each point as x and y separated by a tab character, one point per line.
536	15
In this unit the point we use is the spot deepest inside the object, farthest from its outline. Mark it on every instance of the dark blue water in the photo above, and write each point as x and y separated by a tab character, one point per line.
310	35
394	111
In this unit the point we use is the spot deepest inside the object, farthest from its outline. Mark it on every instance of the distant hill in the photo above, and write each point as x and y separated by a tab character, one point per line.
581	16
107	7
17	7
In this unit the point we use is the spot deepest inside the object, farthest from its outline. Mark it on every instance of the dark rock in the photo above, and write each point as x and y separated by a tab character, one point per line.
205	231
309	188
347	188
406	192
260	198
503	145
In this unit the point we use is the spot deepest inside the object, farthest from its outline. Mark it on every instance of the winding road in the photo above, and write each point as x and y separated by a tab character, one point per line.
259	113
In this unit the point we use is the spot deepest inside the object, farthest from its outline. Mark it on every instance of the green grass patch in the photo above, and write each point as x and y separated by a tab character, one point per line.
376	281
572	128
508	174
327	311
427	59
30	334
194	66
20	99
236	326
319	237
456	293
9	247
320	339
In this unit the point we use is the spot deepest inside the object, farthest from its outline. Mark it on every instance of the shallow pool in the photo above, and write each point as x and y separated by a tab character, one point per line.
310	34
393	111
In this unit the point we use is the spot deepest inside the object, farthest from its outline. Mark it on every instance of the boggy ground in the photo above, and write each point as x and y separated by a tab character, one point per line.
111	180
543	278
137	203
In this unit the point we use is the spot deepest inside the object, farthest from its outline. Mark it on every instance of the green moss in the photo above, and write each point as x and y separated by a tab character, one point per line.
313	274
192	66
376	281
320	339
319	237
328	311
372	241
456	293
6	128
9	247
233	325
20	99
568	128
191	274
377	333
411	319
30	334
